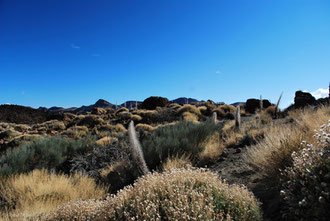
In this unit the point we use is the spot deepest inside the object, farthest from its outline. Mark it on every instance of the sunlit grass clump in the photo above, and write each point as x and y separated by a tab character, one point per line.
273	152
40	191
177	194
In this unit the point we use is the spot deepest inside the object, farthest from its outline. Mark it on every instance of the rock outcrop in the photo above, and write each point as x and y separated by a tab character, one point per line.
303	99
152	102
253	104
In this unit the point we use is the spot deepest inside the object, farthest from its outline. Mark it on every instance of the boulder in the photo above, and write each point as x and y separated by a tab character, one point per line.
253	104
303	99
323	101
152	102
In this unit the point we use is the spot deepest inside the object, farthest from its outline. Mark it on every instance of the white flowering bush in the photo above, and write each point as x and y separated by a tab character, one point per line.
306	185
177	194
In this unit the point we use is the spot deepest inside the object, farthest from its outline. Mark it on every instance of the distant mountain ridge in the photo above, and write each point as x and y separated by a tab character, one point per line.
101	103
78	110
184	100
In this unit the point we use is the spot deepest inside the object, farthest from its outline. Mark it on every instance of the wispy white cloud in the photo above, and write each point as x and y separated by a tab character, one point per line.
218	72
74	46
320	93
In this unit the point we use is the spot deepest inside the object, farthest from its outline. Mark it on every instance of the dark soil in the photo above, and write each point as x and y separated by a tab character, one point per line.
232	168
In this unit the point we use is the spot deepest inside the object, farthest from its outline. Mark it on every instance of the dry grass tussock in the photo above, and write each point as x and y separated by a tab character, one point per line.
274	151
190	116
76	132
145	113
176	162
39	191
177	194
104	141
229	136
189	108
213	148
136	118
227	108
144	127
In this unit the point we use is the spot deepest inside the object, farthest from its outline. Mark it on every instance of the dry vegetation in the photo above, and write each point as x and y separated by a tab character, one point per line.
40	164
177	194
274	151
40	192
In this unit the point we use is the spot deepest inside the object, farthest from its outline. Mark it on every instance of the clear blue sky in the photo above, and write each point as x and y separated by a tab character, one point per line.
73	52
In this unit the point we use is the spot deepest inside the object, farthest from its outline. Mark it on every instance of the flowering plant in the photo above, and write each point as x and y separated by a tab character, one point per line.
306	185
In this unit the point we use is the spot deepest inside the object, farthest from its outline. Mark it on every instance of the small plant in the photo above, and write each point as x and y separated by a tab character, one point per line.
305	185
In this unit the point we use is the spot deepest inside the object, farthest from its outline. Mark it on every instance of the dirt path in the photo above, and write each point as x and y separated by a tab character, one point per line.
232	167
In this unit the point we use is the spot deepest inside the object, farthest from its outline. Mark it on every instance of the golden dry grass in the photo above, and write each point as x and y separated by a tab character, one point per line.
176	162
123	109
274	151
189	108
76	132
145	113
220	112
39	191
227	108
174	106
144	127
104	141
189	116
124	115
213	148
136	118
110	168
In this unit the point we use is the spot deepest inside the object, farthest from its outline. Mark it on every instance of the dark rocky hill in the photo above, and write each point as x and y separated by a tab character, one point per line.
25	115
184	100
78	110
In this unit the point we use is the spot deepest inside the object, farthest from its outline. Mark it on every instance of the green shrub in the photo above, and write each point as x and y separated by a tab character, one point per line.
178	194
45	153
184	137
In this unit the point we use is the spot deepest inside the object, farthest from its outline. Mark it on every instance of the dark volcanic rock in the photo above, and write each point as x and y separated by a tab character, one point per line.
253	104
152	102
303	99
323	101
